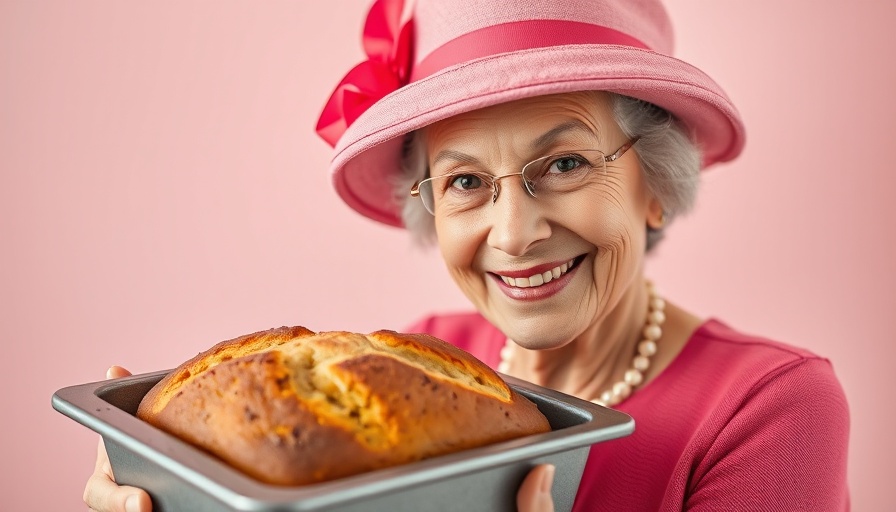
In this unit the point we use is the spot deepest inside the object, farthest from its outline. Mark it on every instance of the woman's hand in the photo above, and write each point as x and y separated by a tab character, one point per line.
102	494
535	492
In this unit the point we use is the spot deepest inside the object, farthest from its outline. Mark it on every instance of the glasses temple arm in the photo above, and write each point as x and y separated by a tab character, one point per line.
621	151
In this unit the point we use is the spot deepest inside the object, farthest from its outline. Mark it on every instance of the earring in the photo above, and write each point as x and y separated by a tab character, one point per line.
662	220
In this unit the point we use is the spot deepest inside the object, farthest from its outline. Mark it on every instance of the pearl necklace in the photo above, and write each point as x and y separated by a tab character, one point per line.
634	376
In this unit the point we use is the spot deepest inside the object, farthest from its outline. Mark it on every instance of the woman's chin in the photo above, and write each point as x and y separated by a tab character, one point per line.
533	334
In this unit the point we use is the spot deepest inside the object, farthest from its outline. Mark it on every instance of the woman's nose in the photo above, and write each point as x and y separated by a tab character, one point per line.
517	221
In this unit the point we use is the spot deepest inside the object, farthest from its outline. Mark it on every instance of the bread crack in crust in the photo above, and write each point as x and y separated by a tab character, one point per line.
444	359
335	401
223	352
291	407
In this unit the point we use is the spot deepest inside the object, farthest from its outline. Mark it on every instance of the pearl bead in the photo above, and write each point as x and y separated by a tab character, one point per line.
657	303
656	317
641	363
606	397
622	390
633	377
653	332
647	348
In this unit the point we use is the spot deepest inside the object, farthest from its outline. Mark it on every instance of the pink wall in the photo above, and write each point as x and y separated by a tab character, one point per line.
162	189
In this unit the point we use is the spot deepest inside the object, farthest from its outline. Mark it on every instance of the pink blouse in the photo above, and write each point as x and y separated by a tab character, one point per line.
735	422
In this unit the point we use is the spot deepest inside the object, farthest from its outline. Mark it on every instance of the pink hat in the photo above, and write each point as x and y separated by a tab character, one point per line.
454	56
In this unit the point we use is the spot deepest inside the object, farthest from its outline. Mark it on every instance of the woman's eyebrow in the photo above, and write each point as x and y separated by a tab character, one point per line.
457	156
543	141
551	135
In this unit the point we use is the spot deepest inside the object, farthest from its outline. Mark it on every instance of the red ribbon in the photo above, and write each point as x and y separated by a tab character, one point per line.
387	44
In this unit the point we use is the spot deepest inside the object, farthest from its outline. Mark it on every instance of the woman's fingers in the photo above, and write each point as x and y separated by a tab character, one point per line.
535	491
115	372
102	494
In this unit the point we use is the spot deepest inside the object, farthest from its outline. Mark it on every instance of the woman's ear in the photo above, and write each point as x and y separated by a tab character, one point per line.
656	216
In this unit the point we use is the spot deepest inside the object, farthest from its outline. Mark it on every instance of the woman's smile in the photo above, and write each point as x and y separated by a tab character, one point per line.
538	282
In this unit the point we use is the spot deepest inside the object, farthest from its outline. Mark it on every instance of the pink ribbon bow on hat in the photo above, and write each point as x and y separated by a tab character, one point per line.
388	47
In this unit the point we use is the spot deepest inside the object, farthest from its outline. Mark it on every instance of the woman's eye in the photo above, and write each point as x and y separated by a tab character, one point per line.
466	182
565	164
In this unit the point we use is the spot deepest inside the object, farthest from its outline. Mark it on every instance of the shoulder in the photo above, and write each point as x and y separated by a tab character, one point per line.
733	358
721	370
741	371
735	422
756	369
778	410
717	332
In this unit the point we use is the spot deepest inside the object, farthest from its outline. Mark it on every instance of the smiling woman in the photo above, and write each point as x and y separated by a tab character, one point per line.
544	147
553	261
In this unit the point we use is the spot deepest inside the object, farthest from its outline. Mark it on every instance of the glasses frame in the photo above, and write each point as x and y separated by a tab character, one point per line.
527	186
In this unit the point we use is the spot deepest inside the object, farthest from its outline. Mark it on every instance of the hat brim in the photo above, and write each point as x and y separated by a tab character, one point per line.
368	155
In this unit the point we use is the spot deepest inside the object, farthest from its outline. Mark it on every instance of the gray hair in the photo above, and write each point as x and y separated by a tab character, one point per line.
670	163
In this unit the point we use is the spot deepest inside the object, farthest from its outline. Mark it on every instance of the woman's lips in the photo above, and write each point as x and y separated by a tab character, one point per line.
538	282
535	276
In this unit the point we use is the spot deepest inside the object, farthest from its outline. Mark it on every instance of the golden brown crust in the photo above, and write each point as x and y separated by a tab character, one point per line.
224	351
291	407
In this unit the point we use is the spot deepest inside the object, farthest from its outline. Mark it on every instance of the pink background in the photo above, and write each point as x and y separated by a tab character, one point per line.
162	189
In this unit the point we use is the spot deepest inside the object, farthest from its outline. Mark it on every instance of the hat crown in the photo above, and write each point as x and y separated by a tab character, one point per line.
438	22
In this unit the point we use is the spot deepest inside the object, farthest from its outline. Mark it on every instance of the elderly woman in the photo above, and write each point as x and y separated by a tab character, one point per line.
544	147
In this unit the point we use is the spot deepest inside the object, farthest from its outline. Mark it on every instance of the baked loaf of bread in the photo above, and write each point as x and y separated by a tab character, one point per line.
291	407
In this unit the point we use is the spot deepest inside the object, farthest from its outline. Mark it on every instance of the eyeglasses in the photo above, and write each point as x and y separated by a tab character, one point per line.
556	173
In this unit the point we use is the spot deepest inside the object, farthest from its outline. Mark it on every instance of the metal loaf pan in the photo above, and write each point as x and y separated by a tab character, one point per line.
180	477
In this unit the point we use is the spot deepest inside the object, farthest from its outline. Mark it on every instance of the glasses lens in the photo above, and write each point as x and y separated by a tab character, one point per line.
564	172
455	193
425	189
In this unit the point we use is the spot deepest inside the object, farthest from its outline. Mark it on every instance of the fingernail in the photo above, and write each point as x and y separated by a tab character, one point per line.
547	481
132	504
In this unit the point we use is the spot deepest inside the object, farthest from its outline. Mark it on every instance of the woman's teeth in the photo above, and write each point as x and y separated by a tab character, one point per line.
538	279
